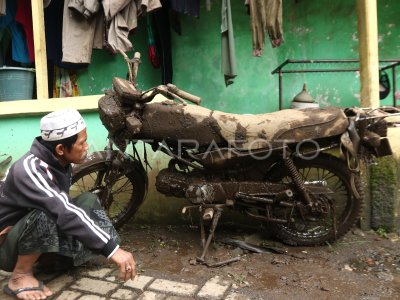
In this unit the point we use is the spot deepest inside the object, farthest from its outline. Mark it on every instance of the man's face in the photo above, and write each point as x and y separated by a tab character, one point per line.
78	151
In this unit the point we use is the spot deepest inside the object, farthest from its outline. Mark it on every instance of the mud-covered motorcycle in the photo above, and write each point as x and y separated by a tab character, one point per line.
295	169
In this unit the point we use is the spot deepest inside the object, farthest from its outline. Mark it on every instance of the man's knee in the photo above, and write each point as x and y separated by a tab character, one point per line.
87	200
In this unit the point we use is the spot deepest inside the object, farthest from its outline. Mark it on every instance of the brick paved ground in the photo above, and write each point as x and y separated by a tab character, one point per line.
99	284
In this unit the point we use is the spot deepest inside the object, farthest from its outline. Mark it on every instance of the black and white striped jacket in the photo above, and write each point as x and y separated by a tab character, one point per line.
38	181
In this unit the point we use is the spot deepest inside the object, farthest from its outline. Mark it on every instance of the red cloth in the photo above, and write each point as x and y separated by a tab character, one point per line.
153	57
24	17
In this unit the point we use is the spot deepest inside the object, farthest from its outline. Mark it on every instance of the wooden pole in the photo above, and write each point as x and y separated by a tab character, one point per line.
40	49
368	52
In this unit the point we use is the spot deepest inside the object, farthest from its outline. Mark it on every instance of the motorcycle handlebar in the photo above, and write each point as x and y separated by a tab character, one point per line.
169	90
136	62
185	95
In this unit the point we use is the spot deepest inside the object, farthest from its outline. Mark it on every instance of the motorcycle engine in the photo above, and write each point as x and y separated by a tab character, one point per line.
190	186
172	183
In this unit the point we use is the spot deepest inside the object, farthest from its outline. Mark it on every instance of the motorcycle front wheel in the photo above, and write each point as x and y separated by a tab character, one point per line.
127	188
344	206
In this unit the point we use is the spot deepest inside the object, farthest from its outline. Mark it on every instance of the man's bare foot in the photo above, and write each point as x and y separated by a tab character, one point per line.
26	280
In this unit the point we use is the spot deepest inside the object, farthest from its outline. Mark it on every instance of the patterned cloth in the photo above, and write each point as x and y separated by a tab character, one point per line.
37	232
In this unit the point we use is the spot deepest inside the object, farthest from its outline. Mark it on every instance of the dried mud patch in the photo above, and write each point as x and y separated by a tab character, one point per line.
362	265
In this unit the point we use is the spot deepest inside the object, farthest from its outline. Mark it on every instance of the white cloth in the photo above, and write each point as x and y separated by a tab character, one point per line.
61	124
81	35
124	19
121	24
78	36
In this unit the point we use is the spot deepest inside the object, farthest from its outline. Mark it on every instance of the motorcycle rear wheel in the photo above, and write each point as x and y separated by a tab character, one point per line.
332	172
127	191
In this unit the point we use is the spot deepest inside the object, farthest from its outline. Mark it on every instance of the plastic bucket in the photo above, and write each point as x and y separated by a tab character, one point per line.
16	83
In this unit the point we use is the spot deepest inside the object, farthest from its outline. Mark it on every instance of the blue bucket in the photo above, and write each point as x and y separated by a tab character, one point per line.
16	83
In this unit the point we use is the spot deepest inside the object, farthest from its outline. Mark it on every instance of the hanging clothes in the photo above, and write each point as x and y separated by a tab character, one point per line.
208	5
86	8
153	55
53	22
18	41
24	17
2	8
121	23
162	37
265	18
188	7
228	56
79	35
65	83
84	28
5	55
122	16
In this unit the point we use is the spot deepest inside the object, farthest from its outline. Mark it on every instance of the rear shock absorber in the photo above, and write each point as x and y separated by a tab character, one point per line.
296	177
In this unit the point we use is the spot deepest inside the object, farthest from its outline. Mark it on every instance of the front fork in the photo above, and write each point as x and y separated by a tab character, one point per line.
117	162
106	197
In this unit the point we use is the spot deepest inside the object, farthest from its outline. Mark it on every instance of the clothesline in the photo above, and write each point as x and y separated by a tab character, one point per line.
90	24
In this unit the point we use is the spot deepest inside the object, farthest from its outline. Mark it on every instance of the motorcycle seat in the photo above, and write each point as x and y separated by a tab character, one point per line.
244	132
249	132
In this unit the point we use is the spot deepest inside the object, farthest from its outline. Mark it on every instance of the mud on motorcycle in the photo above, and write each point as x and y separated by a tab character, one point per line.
276	167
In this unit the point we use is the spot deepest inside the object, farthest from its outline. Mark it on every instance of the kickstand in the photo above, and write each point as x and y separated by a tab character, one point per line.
206	244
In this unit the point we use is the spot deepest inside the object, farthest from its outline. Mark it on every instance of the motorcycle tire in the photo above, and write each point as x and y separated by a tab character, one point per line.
333	173
127	192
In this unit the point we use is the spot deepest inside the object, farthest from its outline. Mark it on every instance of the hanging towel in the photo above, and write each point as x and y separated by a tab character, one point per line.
228	56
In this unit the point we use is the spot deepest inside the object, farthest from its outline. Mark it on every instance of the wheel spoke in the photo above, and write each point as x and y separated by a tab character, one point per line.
312	226
126	193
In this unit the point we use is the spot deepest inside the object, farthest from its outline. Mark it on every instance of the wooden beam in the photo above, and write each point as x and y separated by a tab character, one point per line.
10	109
39	40
368	52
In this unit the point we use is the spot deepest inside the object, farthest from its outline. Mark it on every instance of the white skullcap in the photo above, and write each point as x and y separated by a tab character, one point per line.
61	124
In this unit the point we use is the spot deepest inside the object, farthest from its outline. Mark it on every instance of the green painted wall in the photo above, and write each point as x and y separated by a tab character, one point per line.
18	133
312	29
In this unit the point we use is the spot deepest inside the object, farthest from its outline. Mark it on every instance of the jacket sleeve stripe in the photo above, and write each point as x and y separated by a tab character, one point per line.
105	234
43	185
78	211
35	181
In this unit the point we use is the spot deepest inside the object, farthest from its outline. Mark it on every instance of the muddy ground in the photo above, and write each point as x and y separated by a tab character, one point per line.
362	265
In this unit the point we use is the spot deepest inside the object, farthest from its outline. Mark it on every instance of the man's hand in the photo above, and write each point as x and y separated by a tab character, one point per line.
126	264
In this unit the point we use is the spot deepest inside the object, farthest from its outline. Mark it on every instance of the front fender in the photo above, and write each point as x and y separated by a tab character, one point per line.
113	156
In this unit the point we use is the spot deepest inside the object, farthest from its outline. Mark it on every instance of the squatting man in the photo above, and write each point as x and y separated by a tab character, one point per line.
38	219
